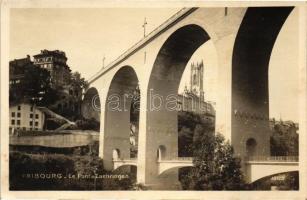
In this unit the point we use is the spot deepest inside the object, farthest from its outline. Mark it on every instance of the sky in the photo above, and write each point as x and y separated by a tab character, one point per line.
88	35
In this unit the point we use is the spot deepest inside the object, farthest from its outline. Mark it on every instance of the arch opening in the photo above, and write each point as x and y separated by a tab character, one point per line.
288	180
162	93
116	154
164	82
118	115
90	107
161	153
251	147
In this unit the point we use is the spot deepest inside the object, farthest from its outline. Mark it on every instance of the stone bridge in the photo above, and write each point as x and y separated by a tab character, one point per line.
243	38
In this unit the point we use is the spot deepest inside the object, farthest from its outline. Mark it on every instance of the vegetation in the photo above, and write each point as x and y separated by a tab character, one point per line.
36	87
53	123
87	124
215	167
63	172
284	140
187	123
77	81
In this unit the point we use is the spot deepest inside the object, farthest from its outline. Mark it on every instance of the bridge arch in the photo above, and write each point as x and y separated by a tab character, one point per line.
90	107
264	176
164	82
116	133
171	60
252	50
165	170
162	91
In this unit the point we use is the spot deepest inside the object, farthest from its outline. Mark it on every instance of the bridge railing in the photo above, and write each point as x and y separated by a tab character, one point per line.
273	158
176	159
142	41
124	160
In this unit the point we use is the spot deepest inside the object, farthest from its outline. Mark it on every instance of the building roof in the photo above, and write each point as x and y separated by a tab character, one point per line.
20	62
43	109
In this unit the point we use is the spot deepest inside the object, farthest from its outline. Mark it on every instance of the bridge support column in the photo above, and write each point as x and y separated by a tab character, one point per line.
235	124
116	140
158	128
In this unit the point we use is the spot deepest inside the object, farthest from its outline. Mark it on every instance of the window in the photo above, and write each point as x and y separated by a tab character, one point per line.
13	114
31	109
13	122
24	128
36	123
36	116
18	107
36	129
18	122
18	114
31	123
194	79
31	116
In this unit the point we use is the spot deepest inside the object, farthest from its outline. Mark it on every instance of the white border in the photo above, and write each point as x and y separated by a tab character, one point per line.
6	194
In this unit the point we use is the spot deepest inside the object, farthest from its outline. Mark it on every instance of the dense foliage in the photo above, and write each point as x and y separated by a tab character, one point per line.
56	171
215	167
78	81
284	140
187	123
87	124
35	87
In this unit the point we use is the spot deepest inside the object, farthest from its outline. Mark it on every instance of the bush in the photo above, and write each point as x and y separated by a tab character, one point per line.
188	123
88	124
215	167
54	123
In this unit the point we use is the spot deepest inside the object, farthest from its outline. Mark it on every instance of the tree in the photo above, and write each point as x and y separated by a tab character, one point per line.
77	81
187	123
215	167
284	140
35	87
